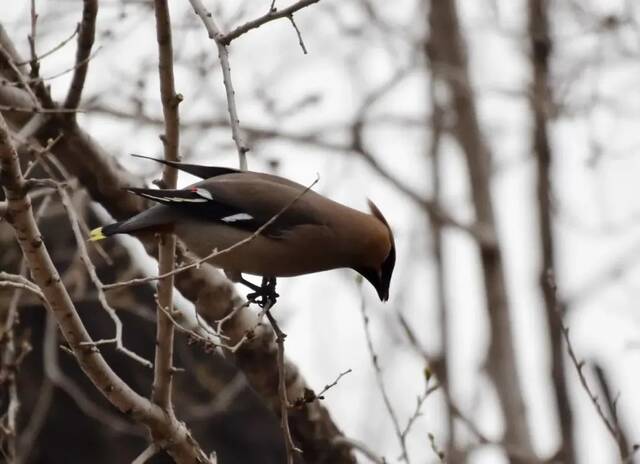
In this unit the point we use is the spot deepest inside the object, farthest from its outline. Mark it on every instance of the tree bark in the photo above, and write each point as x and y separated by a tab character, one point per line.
541	102
447	56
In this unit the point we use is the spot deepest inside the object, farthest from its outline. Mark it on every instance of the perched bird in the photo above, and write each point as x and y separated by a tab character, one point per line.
309	233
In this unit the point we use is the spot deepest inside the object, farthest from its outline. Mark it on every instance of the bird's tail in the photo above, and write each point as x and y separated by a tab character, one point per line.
101	233
156	219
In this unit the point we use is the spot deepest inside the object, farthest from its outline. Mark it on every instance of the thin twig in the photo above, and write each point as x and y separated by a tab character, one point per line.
611	402
383	390
361	447
36	110
332	384
20	282
223	40
20	82
93	275
230	315
40	154
310	396
147	454
298	33
282	386
85	404
271	15
35	63
37	419
434	447
417	412
38	80
54	49
172	317
223	55
579	365
12	354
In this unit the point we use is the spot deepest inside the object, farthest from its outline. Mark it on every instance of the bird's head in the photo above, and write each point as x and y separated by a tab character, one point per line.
379	274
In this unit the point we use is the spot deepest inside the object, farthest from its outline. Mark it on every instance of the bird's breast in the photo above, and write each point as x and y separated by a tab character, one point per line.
302	250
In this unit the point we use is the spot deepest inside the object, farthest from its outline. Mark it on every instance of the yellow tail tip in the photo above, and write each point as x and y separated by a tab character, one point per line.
96	234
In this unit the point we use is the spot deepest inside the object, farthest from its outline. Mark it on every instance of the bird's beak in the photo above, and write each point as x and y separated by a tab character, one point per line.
383	293
375	278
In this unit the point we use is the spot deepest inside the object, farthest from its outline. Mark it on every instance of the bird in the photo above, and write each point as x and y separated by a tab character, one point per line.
287	228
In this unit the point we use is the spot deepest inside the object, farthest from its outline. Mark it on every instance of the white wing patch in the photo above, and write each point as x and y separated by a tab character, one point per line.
204	193
176	199
238	217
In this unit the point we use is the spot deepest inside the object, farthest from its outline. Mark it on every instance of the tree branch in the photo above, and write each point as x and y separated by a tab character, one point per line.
383	390
271	15
214	295
447	56
182	446
86	35
163	372
540	103
282	387
223	55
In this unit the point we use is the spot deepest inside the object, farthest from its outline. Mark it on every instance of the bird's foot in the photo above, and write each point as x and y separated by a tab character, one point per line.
264	296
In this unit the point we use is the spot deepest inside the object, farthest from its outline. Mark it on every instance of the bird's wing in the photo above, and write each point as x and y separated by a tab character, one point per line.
203	172
264	196
241	200
199	203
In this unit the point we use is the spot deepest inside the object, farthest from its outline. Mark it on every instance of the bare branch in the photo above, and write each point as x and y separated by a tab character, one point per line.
39	80
147	454
282	386
361	447
54	49
223	55
86	35
298	33
541	101
383	390
446	51
21	282
93	275
610	424
417	412
20	80
12	352
54	373
31	430
163	372
333	384
36	110
611	401
358	146
585	384
434	447
271	15
183	447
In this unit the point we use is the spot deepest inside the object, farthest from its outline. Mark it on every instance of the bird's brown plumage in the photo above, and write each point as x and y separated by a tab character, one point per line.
312	234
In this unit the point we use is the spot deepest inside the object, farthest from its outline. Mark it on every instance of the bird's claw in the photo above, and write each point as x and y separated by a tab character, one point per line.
265	295
263	299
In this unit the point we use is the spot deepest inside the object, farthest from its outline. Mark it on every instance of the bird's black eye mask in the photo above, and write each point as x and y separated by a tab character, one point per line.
390	261
387	267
